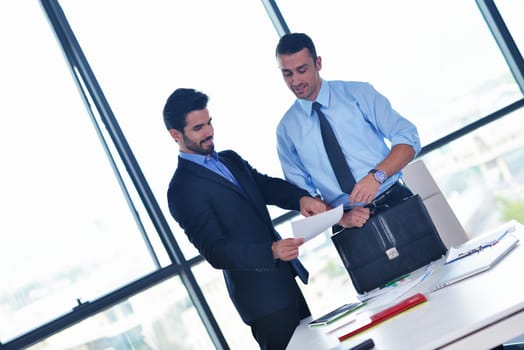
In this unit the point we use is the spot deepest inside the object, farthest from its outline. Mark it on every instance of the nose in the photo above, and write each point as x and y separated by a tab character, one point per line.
295	81
208	130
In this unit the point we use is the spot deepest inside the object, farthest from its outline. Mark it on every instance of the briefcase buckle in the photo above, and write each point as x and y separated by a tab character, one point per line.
392	253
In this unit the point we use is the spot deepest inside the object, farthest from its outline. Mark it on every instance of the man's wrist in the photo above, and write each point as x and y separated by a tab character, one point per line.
273	251
379	175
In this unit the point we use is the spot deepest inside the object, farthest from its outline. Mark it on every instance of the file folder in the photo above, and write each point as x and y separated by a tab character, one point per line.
383	315
475	263
336	314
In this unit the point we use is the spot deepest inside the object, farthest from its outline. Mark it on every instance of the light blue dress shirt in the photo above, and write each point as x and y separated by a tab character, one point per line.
212	163
365	125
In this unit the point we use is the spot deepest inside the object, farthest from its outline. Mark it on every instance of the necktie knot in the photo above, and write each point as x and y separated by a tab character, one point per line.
316	106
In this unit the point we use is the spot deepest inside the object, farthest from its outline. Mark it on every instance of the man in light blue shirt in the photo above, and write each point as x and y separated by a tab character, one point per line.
377	142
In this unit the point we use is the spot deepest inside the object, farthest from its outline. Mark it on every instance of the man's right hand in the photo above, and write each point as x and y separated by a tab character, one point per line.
286	249
356	217
311	206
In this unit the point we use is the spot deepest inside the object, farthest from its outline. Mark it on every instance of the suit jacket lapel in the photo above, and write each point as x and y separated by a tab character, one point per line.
241	177
244	180
201	171
248	191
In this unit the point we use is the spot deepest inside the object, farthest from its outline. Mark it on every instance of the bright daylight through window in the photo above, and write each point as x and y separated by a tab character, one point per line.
74	227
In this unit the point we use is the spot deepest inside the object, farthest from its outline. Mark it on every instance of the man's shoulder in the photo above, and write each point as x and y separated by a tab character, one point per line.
357	90
186	182
229	154
348	85
177	178
184	172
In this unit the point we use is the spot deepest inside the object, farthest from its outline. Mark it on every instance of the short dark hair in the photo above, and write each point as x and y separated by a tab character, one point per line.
293	43
181	102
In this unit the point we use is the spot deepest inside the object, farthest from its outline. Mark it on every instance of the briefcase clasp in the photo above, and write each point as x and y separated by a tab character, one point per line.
392	253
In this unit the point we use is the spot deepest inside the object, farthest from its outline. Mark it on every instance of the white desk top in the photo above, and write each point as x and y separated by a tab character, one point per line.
480	312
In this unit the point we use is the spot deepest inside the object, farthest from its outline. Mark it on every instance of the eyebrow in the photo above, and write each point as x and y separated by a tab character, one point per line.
305	65
199	126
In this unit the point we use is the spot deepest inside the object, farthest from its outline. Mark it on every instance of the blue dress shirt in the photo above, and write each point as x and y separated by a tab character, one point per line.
365	125
212	163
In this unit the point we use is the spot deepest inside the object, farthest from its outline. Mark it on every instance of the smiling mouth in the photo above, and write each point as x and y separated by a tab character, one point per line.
299	90
209	140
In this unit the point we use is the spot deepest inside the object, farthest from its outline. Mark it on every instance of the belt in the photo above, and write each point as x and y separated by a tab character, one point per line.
383	195
379	203
387	192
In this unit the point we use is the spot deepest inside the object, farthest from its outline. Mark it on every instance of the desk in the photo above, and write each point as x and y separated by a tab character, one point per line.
480	312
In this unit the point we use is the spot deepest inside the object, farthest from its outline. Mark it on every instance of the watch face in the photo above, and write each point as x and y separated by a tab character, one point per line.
380	176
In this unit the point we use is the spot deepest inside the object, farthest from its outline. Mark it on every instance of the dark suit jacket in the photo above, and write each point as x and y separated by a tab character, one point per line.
232	229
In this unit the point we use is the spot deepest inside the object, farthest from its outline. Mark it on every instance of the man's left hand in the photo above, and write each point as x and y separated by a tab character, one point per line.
364	191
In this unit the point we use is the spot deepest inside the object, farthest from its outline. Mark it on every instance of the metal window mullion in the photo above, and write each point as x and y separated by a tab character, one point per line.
85	77
276	17
504	40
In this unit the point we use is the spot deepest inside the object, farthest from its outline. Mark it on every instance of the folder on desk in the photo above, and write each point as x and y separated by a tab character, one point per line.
336	314
476	263
475	246
384	315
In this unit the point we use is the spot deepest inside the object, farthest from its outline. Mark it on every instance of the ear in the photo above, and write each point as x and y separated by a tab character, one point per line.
175	134
319	63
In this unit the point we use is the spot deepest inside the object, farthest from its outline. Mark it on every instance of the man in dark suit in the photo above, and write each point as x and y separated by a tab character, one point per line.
220	202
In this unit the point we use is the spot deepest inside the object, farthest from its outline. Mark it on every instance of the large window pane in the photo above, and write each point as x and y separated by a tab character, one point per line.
436	61
67	232
440	66
161	318
188	45
481	174
162	45
237	333
159	46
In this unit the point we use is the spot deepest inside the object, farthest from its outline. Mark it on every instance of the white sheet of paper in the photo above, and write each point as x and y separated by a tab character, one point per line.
312	226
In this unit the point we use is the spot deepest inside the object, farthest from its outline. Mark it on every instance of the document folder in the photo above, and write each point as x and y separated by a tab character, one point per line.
336	314
385	314
475	263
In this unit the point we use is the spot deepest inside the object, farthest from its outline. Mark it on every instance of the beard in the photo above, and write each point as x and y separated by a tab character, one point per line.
203	147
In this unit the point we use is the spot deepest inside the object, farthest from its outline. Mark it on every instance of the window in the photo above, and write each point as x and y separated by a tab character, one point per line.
481	174
160	318
70	234
158	47
64	216
436	62
439	66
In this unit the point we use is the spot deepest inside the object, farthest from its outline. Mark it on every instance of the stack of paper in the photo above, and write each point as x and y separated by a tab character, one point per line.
364	322
336	314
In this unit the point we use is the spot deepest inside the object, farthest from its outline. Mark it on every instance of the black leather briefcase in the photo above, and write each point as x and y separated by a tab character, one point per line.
392	243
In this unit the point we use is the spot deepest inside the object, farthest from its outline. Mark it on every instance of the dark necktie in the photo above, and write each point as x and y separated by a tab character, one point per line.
336	157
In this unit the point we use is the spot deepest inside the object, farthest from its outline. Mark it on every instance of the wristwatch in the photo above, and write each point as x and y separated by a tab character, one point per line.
379	175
